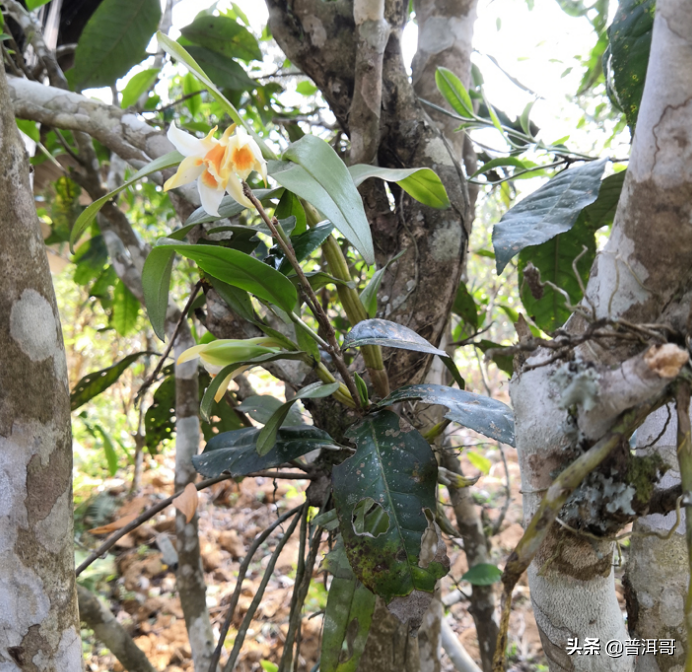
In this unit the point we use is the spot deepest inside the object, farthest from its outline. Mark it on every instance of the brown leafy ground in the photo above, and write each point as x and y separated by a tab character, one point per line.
141	588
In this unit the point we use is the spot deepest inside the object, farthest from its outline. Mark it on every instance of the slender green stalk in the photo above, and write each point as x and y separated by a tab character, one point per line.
682	404
355	310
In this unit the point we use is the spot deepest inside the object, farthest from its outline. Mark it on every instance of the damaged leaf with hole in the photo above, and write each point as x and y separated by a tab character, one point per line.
385	497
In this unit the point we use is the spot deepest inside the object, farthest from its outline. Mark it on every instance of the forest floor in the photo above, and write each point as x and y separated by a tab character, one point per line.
139	587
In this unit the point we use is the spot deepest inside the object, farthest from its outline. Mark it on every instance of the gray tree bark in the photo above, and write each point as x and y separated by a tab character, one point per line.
39	622
643	276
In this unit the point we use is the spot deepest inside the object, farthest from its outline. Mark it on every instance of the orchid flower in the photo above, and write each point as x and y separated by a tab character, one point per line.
219	166
222	352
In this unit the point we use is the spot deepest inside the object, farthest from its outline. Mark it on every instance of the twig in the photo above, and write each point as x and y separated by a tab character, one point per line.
322	318
242	570
148	382
508	493
142	518
182	99
259	593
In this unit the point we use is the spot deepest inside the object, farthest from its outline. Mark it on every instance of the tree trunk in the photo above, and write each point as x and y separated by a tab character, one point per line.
39	622
642	276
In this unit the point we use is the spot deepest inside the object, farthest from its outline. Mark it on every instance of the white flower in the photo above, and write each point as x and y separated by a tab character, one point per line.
219	166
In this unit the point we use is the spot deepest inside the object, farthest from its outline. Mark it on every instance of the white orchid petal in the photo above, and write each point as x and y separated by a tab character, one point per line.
235	189
209	196
190	168
185	143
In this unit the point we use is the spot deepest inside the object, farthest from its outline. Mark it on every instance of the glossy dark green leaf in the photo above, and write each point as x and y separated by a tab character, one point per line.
482	575
225	72
224	36
90	259
602	211
499	163
241	270
125	309
305	244
261	407
288	206
319	279
236	452
553	259
388	334
550	210
423	184
318	175
238	300
347	619
229	207
138	85
94	383
482	414
87	217
156	281
385	496
454	92
268	435
114	39
630	44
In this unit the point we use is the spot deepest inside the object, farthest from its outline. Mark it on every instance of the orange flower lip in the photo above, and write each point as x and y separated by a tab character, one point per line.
219	166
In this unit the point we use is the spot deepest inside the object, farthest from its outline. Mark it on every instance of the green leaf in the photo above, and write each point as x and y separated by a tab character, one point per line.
368	297
482	414
114	39
465	307
479	461
347	619
362	389
385	496
87	217
139	84
306	243
554	260
498	163
388	334
630	44
268	436
236	452
109	449
241	270
322	178
238	300
94	383
176	51
192	86
125	309
306	88
222	418
482	574
524	119
454	92
602	211
31	5
156	281
223	70
261	407
550	210
207	404
268	666
423	184
224	36
29	128
290	206
319	279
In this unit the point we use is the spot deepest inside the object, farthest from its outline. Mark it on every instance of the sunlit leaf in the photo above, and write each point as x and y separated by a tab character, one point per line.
224	36
454	92
138	84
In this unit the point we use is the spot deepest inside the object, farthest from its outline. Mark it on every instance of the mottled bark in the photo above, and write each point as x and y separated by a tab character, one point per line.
108	630
39	622
657	576
642	275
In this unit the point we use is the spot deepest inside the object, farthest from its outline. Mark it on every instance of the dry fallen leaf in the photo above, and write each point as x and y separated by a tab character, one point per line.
115	525
186	501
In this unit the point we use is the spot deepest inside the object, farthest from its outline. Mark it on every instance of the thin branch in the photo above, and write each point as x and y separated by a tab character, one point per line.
141	519
148	382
